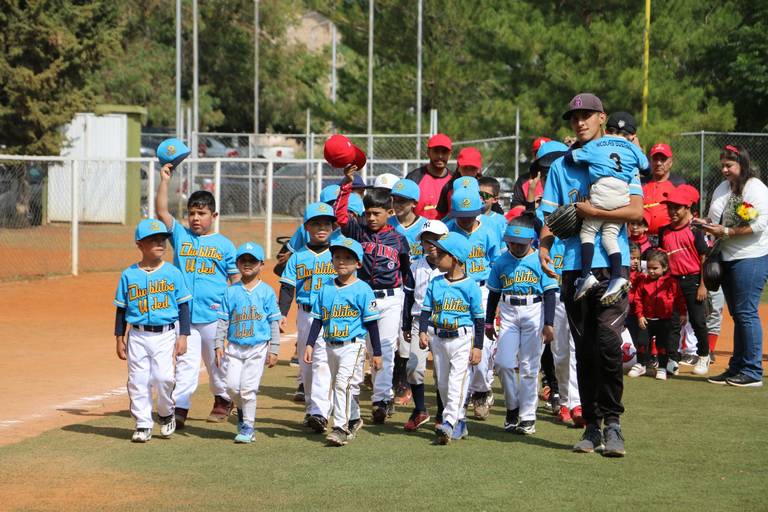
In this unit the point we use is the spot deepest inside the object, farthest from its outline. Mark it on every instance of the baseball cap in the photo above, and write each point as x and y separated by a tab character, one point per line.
583	101
622	121
407	189
315	210
454	244
385	180
251	248
466	202
357	182
172	151
662	148
329	194
466	182
433	226
440	140
684	194
338	151
548	153
149	227
355	204
470	157
537	142
519	234
351	245
360	158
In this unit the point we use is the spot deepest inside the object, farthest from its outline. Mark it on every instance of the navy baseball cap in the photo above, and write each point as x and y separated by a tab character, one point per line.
149	227
351	245
315	210
251	248
455	245
357	182
519	234
622	121
407	189
172	151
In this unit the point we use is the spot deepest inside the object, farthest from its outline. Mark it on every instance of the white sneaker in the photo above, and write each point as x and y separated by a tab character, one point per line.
702	366
637	370
583	285
661	374
614	292
168	426
672	367
142	435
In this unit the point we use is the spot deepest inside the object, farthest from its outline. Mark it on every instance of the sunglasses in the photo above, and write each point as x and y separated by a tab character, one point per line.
486	195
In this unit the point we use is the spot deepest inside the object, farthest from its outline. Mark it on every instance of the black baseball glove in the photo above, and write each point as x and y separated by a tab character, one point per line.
564	222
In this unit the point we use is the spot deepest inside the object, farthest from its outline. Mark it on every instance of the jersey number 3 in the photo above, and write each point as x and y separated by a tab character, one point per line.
616	158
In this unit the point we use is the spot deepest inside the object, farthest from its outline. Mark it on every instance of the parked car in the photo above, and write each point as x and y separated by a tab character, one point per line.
211	147
21	195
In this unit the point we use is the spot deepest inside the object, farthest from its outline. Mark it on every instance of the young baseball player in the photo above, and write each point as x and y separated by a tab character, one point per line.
614	161
207	261
485	247
305	274
152	297
423	270
345	310
519	282
453	311
386	268
638	232
249	318
405	197
489	193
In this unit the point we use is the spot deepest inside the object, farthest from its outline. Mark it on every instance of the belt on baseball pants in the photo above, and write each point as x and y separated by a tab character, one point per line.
450	333
337	343
387	292
306	308
155	328
521	301
481	283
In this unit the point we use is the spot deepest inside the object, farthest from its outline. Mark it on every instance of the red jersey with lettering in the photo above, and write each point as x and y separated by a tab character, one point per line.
429	191
684	248
654	192
642	241
658	298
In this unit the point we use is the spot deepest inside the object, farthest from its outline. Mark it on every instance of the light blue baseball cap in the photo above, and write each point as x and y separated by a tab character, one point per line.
356	205
466	182
348	244
172	151
466	202
519	234
454	244
251	248
329	194
315	210
149	227
406	188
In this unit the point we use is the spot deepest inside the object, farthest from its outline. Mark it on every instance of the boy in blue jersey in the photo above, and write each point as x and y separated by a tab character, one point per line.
249	319
305	273
405	197
613	160
489	193
453	314
485	247
345	311
518	281
207	261
152	297
386	268
596	327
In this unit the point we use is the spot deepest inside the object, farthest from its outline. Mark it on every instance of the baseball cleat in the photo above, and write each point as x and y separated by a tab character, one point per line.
167	426
379	412
181	417
246	435
577	417
298	396
554	403
221	409
460	431
591	440
702	366
661	374
317	423
672	367
688	360
526	427
584	285
337	437
354	427
616	288
142	435
614	441
417	419
444	433
481	404
390	408
563	416
511	421
637	370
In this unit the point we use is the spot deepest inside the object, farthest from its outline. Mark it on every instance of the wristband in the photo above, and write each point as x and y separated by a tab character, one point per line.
726	232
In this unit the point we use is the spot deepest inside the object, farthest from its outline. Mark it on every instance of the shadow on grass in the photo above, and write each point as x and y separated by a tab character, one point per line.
95	414
493	432
113	432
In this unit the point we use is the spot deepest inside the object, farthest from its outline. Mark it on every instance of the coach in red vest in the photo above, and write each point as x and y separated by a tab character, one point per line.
432	177
657	187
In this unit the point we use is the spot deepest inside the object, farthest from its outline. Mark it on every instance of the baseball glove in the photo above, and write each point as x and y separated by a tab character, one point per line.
563	222
712	270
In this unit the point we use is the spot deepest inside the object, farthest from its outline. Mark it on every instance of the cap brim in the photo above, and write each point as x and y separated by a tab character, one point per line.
258	257
442	233
332	218
360	158
569	113
180	158
464	215
165	234
517	240
340	247
548	159
395	194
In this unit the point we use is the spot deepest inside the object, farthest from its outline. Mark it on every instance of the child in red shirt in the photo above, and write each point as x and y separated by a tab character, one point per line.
638	232
657	298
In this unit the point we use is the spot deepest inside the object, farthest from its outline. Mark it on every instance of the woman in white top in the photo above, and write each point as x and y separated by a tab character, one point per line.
743	231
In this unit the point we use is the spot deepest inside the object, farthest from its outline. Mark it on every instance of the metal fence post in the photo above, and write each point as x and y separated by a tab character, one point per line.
517	143
270	193
702	192
319	180
217	190
151	189
75	214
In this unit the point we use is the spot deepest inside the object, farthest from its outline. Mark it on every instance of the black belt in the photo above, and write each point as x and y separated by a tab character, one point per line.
155	328
306	308
515	301
340	342
481	283
448	333
387	292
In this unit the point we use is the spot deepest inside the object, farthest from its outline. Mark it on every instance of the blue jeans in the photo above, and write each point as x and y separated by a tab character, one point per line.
743	283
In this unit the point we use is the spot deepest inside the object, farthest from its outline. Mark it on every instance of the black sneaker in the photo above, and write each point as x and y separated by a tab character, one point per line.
743	381
379	412
390	408
337	437
354	427
512	419
299	396
689	360
317	423
614	441
526	427
720	379
591	440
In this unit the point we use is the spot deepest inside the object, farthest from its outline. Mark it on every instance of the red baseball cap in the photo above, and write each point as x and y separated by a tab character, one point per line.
360	157
470	157
338	151
662	148
440	140
537	142
684	194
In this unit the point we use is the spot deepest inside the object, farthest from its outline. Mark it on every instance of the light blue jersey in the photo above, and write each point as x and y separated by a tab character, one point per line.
611	156
522	276
498	220
308	271
249	313
453	304
566	183
485	248
344	310
300	238
151	298
206	262
556	253
410	233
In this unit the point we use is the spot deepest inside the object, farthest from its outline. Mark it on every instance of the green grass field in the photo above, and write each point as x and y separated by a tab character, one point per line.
691	446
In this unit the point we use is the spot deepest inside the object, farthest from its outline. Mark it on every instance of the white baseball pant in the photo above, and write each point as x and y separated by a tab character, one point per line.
316	376
481	376
200	343
150	365
390	309
451	360
246	366
564	357
716	302
688	342
520	340
607	193
417	359
345	363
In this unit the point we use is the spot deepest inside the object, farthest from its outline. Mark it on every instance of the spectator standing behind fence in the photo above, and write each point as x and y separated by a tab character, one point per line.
657	187
738	216
432	177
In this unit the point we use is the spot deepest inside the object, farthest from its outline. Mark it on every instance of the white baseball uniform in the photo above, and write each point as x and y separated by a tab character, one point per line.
150	366
246	366
451	360
390	308
345	361
417	359
564	358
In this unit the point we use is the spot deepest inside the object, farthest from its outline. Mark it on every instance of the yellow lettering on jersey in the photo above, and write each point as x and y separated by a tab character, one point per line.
161	286
161	304
187	249
416	248
302	272
189	266
521	277
208	268
246	313
318	285
325	269
445	324
477	251
244	330
344	311
339	333
143	306
476	267
455	305
134	292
